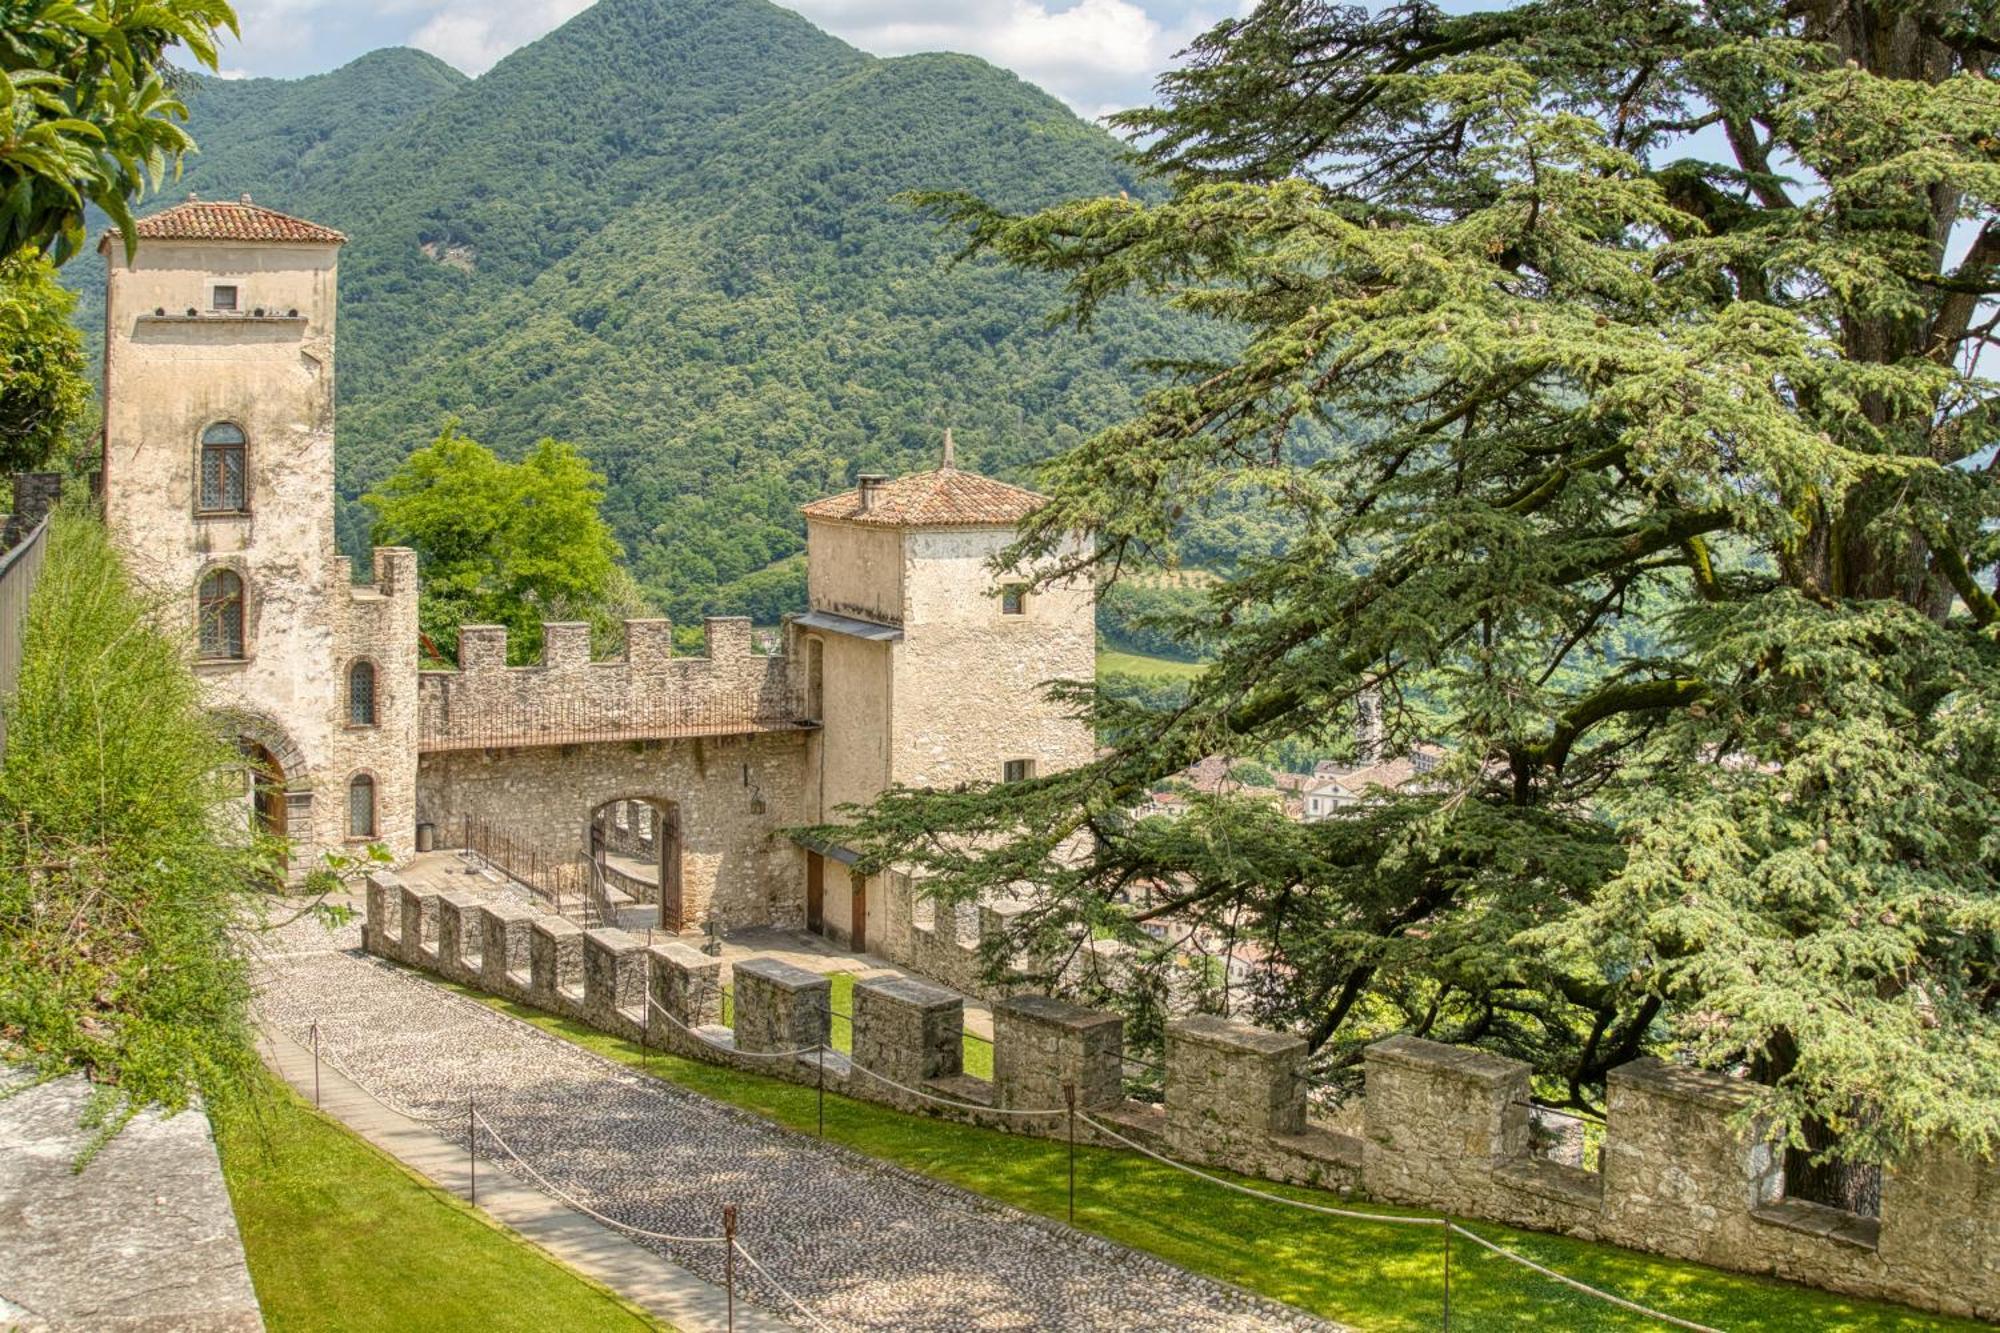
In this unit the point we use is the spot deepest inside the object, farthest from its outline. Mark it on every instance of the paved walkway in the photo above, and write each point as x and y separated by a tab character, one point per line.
863	1245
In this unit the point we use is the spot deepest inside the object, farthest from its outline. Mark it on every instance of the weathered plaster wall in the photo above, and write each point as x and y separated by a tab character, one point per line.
733	861
854	570
850	756
967	691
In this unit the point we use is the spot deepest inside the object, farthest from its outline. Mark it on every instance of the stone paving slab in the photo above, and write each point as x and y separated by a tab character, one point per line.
863	1245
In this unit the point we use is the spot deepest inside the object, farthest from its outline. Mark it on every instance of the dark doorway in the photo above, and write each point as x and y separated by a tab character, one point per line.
858	914
815	893
267	789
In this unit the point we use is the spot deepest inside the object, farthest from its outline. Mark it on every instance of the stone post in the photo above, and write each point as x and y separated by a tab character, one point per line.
1041	1043
685	982
614	980
1230	1087
1681	1170
417	942
459	937
503	948
1437	1121
908	1030
780	1007
385	916
555	964
1940	1239
565	644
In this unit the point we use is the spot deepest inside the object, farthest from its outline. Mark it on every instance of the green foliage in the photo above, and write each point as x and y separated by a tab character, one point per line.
1666	519
511	544
119	879
43	392
90	114
1252	774
1153	618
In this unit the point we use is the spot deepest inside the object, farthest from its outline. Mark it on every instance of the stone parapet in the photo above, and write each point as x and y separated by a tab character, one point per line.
614	981
382	927
1041	1043
779	1007
505	929
417	941
908	1030
1231	1087
460	936
1438	1119
555	964
686	983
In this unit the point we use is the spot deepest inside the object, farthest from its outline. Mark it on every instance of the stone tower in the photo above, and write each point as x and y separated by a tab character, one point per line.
218	487
922	662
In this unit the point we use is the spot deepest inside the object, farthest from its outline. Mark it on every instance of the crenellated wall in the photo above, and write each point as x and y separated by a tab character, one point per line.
1442	1127
645	693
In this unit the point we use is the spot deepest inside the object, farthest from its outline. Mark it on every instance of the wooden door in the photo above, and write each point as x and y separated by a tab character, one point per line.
859	914
671	917
815	892
267	790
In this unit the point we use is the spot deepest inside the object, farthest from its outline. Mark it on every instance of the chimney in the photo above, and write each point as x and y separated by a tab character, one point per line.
871	483
246	196
950	451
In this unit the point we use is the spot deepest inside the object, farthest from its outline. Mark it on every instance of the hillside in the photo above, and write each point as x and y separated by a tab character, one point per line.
667	231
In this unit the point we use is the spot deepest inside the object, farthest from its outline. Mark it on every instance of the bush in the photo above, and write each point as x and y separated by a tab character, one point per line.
119	879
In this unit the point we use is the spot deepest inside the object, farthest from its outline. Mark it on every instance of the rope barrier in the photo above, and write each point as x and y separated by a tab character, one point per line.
1454	1227
954	1102
1587	1289
797	1304
584	1208
1349	1213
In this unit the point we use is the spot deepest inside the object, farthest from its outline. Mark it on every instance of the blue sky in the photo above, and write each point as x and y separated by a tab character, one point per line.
1097	55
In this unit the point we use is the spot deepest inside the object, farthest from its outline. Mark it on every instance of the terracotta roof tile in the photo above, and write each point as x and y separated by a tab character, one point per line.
943	498
218	220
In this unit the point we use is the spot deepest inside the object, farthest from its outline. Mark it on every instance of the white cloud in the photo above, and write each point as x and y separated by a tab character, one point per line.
474	36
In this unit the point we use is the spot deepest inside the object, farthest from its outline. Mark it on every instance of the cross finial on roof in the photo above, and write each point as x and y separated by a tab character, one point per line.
950	450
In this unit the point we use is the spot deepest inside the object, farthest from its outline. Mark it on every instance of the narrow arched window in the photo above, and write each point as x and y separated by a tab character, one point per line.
221	615
361	806
223	446
361	695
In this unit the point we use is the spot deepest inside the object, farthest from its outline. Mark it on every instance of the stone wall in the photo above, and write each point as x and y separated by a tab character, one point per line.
568	697
734	794
1442	1128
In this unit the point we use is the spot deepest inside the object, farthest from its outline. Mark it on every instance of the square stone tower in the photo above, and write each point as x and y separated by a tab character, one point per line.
218	487
924	663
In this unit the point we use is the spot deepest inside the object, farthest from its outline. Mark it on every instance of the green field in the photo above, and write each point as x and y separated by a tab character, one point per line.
1111	662
341	1237
1369	1275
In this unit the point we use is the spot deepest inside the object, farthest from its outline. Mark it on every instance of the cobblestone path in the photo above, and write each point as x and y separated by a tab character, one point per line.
862	1244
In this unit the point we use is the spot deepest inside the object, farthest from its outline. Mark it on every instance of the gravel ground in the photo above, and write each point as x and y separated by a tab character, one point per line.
861	1244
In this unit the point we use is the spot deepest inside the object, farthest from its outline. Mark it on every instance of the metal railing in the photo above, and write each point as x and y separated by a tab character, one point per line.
20	568
562	880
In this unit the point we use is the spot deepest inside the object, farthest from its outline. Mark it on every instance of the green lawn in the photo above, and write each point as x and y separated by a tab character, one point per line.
1371	1275
340	1236
1112	662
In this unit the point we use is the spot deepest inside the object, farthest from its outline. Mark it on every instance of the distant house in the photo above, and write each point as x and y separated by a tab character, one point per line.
1334	787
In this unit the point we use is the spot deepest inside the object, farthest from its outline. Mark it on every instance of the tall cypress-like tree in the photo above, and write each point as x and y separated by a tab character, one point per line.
1671	518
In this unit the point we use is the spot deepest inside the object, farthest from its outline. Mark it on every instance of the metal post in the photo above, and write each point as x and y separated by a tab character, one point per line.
472	1149
1447	1272
1069	1098
315	1034
820	1080
646	1030
729	1260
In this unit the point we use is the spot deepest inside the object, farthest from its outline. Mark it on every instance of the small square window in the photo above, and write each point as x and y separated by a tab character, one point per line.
222	296
1018	770
1014	600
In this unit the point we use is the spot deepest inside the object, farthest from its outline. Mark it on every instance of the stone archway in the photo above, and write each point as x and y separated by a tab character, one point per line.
636	842
278	785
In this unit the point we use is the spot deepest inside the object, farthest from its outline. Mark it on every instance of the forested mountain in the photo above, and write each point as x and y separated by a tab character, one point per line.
668	232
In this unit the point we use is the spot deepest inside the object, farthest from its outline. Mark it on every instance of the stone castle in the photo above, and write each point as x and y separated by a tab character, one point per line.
912	665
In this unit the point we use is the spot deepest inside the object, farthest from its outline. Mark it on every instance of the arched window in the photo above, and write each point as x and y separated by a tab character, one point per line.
222	456
361	695
361	806
221	615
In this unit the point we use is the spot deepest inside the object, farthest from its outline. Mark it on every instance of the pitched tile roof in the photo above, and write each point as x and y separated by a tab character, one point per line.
943	498
219	220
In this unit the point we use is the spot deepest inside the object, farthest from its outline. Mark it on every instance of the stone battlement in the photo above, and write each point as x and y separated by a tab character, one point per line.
647	693
1442	1127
